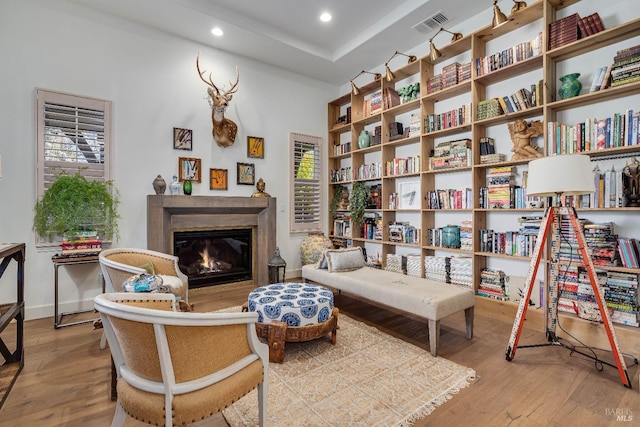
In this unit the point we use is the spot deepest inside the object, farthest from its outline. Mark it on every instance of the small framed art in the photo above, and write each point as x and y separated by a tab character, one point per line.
409	195
218	179
182	139
189	168
255	147
246	174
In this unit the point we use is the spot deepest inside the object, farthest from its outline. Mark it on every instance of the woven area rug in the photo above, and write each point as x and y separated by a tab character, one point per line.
368	378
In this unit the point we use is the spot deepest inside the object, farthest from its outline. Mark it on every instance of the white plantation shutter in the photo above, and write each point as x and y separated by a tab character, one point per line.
72	136
305	190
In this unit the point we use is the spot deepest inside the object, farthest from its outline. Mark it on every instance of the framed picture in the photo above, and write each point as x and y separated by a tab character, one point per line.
409	195
246	174
255	147
182	139
189	168
218	179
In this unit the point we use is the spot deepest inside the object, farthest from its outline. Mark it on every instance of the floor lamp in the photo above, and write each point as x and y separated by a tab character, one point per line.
558	176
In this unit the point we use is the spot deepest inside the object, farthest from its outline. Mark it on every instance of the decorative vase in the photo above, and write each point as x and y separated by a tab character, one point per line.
364	140
451	236
312	247
187	187
570	86
175	186
159	185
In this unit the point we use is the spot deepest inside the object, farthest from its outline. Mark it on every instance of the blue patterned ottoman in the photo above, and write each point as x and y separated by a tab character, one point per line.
293	312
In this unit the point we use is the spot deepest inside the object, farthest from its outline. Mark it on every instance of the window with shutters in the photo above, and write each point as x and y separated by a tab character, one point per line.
305	187
72	136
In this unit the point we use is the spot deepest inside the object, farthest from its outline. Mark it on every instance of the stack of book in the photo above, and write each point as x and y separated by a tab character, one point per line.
602	243
621	295
342	224
414	125
372	226
403	232
435	268
466	234
451	154
434	83
487	148
489	108
499	183
564	31
81	244
460	271
390	97
396	131
373	104
376	138
626	66
493	284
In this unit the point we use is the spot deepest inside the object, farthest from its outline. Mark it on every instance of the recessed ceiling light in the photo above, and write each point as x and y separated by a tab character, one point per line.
217	31
325	17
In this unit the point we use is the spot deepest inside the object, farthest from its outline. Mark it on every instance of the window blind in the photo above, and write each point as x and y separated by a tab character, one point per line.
306	189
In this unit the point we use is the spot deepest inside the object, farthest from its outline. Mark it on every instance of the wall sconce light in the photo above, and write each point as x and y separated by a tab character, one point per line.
519	5
354	89
277	268
499	18
389	74
434	53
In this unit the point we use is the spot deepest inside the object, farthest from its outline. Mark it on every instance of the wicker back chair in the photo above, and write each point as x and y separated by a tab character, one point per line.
175	368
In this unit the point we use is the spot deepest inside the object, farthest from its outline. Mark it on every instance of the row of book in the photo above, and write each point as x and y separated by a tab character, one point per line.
402	166
448	119
510	56
372	226
403	232
368	171
512	243
341	175
629	250
343	148
523	98
619	130
590	25
450	199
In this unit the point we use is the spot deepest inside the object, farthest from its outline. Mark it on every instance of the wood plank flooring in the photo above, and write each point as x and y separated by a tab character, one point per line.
65	381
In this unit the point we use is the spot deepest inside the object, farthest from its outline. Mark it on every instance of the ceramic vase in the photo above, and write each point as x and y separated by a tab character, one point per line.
159	185
187	187
451	236
364	140
570	86
175	187
312	247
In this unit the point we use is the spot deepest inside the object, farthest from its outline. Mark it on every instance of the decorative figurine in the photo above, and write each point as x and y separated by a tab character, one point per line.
521	134
159	185
631	176
260	185
344	201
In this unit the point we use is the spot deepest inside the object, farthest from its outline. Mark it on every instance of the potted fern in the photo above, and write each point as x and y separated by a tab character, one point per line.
73	205
358	203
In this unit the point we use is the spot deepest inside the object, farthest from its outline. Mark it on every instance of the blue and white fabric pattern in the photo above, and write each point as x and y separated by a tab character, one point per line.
297	304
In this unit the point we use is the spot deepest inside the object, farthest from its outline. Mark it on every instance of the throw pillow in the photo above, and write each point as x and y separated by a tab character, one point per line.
148	267
344	259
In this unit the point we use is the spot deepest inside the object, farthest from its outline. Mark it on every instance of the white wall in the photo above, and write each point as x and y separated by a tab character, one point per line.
152	80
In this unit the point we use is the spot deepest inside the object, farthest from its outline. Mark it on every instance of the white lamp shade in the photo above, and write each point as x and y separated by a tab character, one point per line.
569	174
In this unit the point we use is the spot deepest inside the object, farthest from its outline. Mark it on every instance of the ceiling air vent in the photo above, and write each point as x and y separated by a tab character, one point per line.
433	22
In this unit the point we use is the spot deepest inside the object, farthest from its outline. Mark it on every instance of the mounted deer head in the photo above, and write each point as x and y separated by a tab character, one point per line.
224	130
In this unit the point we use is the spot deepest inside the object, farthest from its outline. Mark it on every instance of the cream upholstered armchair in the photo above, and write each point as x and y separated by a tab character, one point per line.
118	264
176	368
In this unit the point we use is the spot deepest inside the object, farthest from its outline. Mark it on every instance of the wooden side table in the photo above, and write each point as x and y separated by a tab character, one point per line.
61	260
14	361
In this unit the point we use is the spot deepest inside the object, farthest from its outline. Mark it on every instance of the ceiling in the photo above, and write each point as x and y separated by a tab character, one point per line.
288	33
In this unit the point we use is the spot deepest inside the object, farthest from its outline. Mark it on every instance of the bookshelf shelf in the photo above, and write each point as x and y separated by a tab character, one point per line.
520	27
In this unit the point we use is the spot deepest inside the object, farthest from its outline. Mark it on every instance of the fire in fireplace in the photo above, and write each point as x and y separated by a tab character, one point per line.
214	257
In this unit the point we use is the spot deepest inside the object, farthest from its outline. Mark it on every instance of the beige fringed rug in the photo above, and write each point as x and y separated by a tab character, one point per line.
368	378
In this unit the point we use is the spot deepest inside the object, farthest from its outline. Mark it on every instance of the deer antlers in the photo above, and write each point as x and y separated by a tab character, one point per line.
226	94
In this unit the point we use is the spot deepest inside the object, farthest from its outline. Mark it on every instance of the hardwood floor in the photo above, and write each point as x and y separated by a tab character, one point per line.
65	381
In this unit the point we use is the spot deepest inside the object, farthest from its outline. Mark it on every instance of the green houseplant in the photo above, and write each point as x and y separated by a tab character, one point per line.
73	204
337	197
358	202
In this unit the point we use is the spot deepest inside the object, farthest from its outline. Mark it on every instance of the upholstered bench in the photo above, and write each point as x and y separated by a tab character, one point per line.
292	312
418	297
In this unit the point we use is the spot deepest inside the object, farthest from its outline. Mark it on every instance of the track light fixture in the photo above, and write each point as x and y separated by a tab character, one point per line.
434	53
499	18
389	74
354	89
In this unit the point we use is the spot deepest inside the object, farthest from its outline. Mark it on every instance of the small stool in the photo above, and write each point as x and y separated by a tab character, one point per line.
292	312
